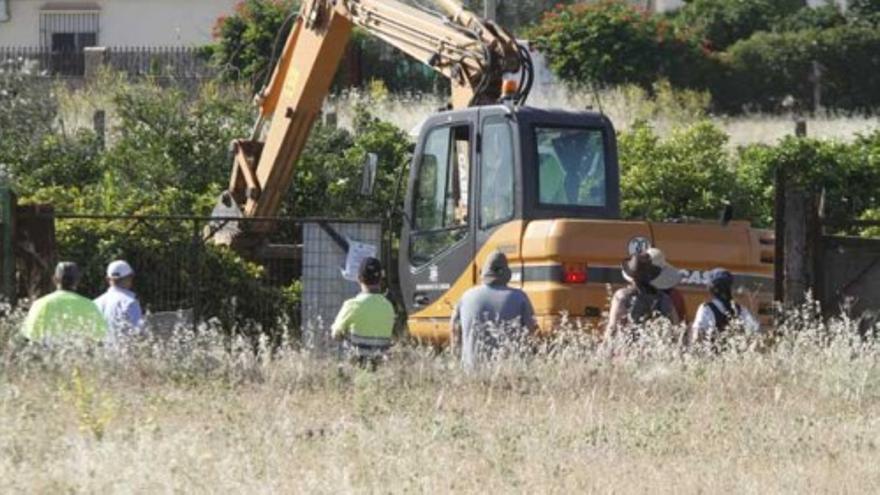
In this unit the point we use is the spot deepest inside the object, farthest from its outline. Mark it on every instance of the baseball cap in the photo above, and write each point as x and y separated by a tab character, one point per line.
719	279
119	269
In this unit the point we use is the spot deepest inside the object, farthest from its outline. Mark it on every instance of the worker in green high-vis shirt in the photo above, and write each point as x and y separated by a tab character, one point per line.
367	320
64	313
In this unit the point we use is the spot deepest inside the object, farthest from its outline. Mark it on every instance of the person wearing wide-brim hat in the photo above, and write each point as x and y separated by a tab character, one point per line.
667	281
639	301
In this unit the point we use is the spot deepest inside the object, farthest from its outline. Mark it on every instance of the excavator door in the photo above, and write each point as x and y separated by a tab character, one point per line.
438	239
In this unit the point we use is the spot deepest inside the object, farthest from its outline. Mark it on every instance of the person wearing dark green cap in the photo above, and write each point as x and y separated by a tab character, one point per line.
367	320
64	313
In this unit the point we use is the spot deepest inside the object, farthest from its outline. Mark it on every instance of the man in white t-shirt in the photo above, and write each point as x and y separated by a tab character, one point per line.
119	305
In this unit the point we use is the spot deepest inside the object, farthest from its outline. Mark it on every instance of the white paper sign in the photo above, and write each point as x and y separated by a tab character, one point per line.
357	251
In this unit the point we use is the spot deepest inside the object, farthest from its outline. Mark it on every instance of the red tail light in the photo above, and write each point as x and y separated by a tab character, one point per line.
574	273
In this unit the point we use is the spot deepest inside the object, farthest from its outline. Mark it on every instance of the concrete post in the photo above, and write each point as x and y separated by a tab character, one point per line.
95	58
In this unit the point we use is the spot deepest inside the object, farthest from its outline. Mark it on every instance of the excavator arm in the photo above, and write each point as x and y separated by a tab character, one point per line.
472	53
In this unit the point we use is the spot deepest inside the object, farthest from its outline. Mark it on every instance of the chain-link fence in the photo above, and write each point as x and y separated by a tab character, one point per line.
183	277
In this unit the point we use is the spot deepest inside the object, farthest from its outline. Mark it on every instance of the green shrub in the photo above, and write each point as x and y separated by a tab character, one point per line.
168	139
688	175
58	159
612	42
847	174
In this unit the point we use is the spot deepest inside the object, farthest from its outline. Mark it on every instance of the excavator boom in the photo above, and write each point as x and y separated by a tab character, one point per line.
473	54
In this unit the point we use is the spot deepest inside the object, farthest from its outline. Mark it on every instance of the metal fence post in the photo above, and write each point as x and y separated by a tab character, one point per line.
779	228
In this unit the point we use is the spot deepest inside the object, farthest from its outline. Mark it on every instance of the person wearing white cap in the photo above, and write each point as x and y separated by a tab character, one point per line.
119	305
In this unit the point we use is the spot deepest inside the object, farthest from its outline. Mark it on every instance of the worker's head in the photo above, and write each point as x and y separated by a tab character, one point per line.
370	274
496	271
120	274
639	270
720	284
66	276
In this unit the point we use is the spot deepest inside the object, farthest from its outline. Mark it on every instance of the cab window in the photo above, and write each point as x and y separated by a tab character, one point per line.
571	165
496	173
440	209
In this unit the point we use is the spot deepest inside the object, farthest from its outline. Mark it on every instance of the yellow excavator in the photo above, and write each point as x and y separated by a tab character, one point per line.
489	174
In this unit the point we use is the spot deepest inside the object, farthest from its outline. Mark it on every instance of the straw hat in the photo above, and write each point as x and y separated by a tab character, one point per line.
669	275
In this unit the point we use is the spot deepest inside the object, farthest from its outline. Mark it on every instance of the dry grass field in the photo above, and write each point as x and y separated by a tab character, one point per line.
666	111
196	416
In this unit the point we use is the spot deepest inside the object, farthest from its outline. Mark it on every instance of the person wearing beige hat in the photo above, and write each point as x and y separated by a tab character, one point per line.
640	301
667	281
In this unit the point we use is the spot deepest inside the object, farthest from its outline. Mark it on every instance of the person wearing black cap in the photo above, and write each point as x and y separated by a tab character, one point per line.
490	315
367	320
64	313
716	315
639	301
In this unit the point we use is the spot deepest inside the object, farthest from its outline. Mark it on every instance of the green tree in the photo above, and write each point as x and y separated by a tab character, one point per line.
821	17
327	182
611	42
762	71
246	39
722	23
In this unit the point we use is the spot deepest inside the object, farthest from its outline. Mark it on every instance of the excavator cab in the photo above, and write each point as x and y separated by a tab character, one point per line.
478	176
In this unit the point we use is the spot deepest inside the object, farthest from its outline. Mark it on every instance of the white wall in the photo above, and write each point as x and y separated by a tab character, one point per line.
23	26
126	22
